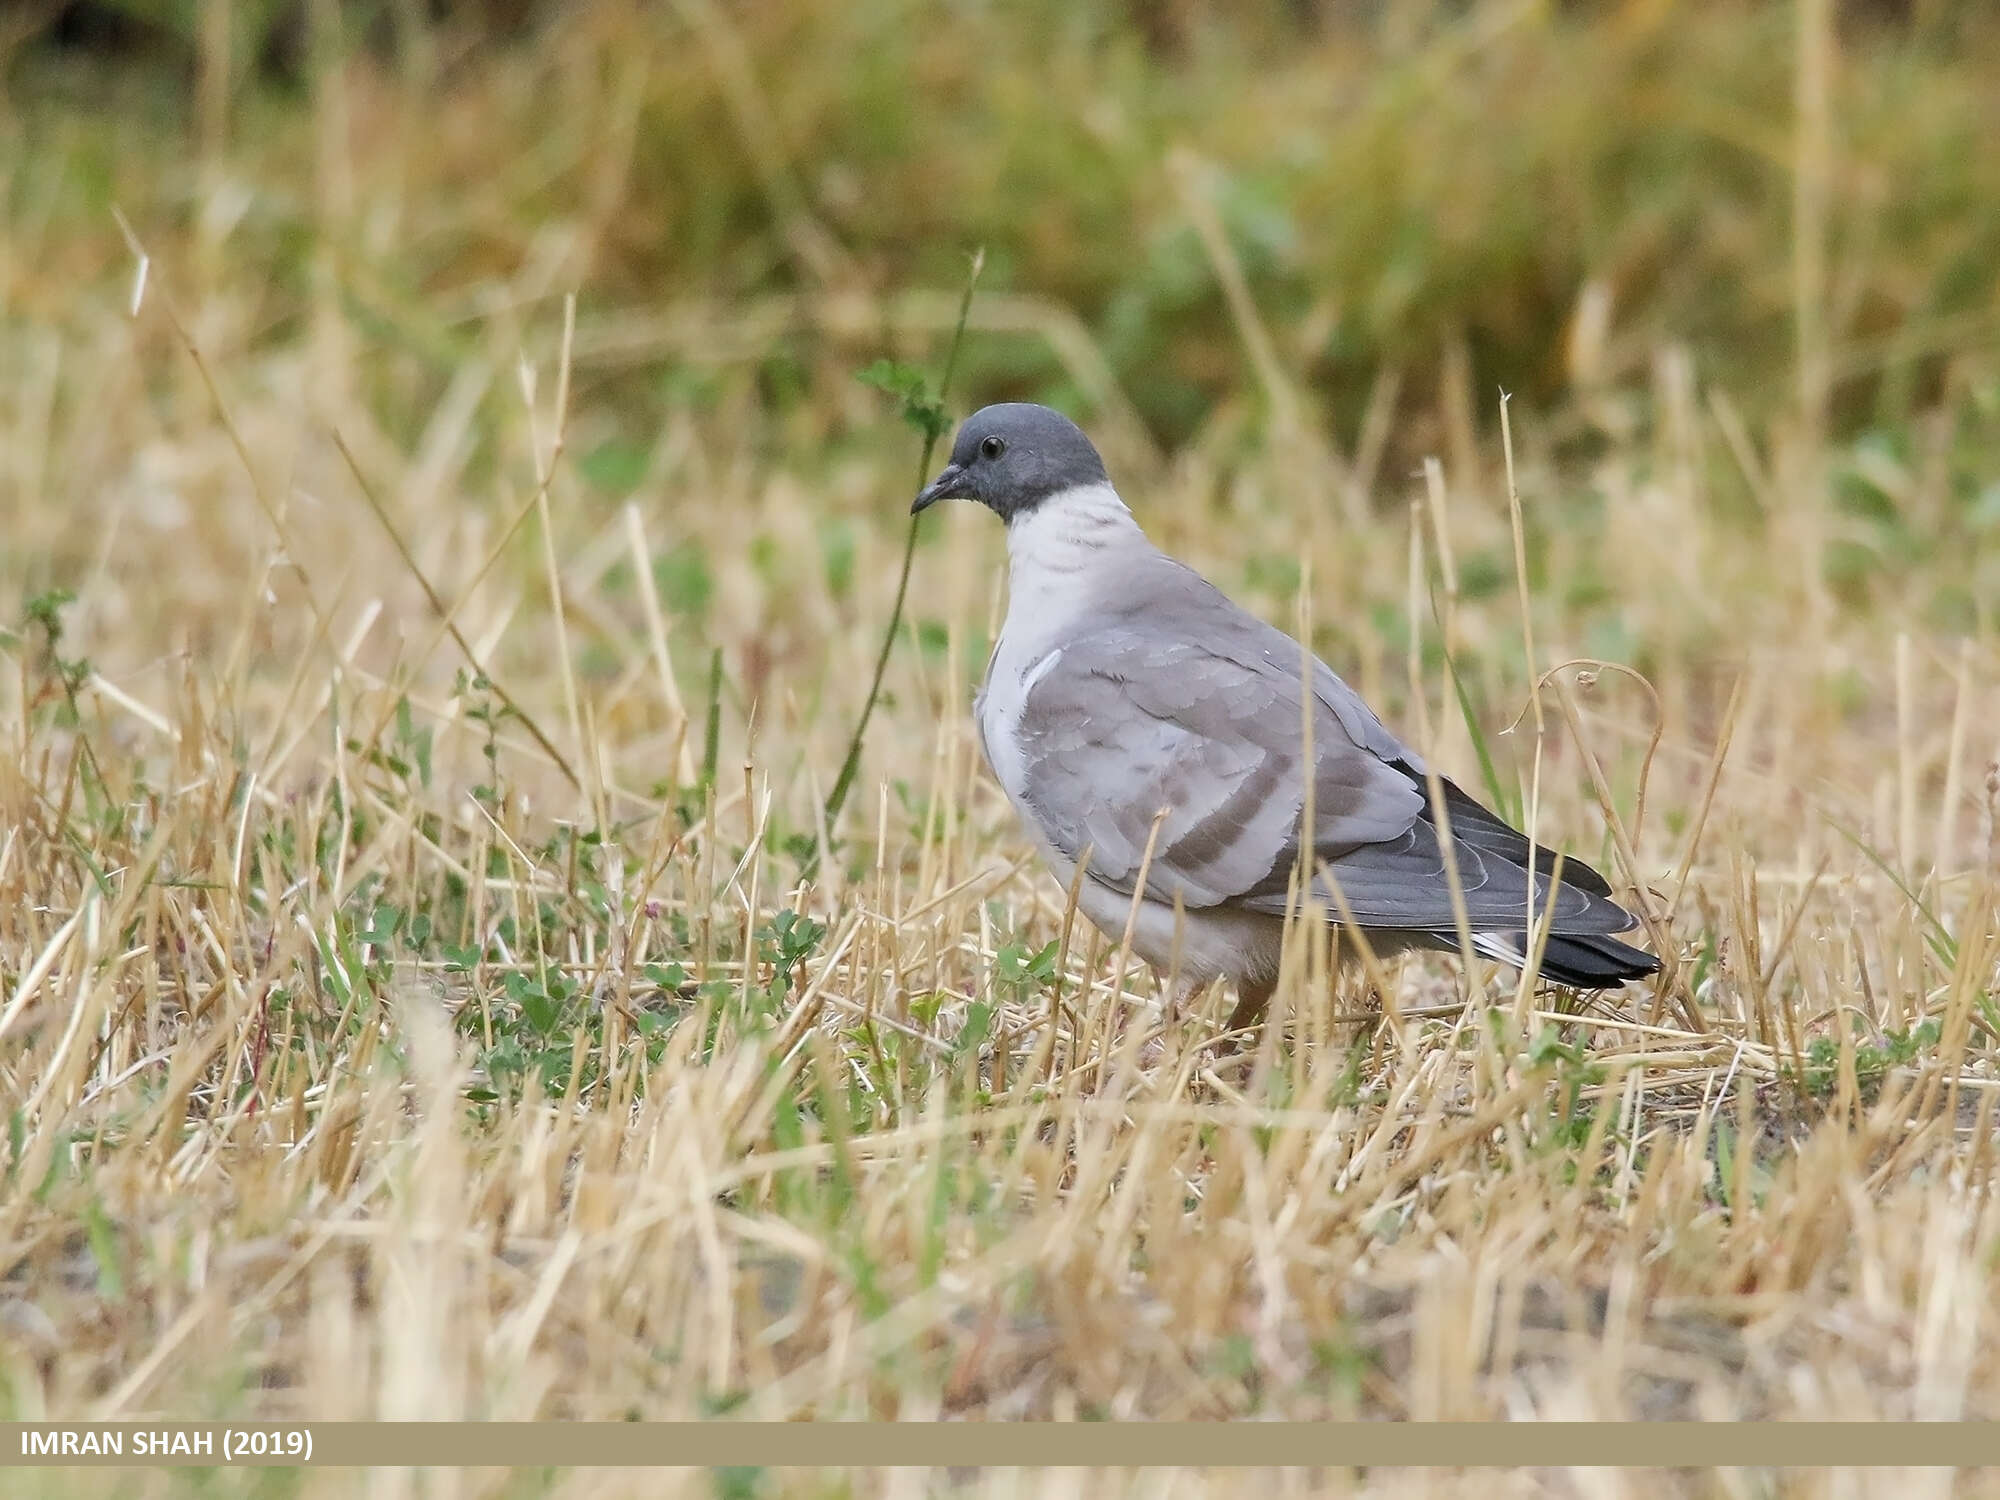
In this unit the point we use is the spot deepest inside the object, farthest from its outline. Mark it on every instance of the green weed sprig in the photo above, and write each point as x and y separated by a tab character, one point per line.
927	416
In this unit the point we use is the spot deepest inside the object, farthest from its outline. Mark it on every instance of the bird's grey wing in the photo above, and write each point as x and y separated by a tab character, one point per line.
1128	721
1475	825
1181	701
1471	823
1404	884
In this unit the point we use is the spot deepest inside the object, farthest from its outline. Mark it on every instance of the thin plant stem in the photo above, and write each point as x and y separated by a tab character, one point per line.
850	765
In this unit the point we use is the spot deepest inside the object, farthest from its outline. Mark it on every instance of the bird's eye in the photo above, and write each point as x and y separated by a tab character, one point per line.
992	447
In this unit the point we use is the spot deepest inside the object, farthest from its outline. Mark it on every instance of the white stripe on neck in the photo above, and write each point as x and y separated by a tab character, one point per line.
1066	535
1053	553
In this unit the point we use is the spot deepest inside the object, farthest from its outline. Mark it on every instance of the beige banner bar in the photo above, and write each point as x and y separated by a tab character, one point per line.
995	1444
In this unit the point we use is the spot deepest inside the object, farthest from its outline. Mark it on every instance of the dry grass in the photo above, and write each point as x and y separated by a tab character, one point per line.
378	1039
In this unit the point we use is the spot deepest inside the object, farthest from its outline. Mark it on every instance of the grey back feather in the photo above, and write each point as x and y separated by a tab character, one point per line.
1169	697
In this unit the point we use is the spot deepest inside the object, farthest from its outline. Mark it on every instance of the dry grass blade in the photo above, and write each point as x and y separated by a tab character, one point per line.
446	616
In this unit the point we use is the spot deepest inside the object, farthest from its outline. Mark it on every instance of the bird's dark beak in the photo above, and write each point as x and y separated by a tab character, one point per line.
949	485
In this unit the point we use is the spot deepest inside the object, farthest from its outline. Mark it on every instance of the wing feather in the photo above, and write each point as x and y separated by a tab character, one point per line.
1124	727
1178	705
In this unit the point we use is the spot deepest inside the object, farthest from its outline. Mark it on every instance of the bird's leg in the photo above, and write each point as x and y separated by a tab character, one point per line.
1185	988
1252	995
1180	994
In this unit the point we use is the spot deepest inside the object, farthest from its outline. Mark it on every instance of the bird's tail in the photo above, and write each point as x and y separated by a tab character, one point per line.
1589	962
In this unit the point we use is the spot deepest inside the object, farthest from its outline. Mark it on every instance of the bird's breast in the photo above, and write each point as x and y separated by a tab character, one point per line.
1001	708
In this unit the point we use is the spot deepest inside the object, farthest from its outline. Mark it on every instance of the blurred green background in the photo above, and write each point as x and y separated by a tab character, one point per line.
1760	237
1545	192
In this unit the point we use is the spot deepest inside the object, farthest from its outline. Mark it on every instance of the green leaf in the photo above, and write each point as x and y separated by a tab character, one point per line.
1547	1046
104	1250
978	1023
912	390
539	1008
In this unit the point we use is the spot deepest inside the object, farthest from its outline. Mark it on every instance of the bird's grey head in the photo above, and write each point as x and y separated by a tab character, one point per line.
1012	457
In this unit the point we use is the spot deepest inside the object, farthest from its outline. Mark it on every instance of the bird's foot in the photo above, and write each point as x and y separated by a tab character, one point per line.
1181	994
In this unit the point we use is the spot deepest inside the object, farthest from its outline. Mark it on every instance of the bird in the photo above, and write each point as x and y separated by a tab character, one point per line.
1147	728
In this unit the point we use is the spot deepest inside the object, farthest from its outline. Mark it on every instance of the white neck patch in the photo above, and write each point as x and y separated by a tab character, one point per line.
1068	533
1057	554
